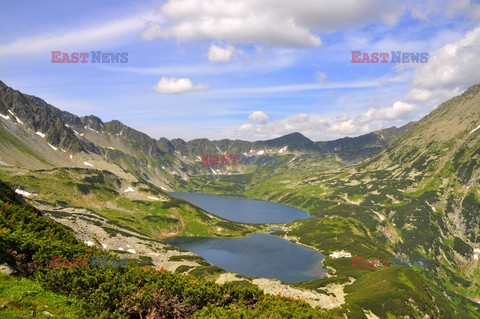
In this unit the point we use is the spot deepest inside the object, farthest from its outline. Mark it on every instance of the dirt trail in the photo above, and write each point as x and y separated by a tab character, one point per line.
314	298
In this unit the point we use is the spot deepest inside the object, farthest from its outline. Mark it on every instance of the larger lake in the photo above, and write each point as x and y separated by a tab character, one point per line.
244	210
258	255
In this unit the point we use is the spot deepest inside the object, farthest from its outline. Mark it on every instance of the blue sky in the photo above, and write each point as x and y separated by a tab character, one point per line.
252	69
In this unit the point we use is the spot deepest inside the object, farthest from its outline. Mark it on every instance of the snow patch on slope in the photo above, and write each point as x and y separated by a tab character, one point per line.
478	127
89	243
18	120
23	193
340	254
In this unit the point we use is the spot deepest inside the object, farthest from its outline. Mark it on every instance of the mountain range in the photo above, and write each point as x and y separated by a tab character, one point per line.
36	135
411	191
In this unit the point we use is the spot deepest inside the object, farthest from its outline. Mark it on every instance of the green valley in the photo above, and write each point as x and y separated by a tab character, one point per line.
411	192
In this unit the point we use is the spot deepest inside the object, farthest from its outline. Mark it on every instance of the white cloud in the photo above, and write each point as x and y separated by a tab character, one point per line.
106	34
271	22
449	71
310	125
464	7
152	31
276	59
259	117
218	53
378	82
321	128
286	22
423	9
399	111
245	127
343	127
176	86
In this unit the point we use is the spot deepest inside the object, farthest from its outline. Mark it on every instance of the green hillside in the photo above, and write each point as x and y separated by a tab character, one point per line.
28	241
418	198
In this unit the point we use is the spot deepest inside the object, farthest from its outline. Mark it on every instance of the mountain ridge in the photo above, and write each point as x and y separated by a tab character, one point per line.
66	130
74	141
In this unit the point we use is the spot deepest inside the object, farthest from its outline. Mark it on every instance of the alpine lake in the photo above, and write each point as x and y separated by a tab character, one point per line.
258	254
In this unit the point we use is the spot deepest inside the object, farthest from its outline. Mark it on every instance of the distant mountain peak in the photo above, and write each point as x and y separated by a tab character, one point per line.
295	141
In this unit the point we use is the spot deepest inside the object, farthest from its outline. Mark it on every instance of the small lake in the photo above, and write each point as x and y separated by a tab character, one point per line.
258	255
244	210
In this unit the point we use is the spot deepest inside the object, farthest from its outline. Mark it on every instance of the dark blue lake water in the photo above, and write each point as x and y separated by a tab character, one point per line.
244	210
258	255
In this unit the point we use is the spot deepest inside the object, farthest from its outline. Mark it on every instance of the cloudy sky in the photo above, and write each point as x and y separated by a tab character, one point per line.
250	69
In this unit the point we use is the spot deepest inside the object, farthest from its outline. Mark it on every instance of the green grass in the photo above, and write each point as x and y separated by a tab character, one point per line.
8	138
22	298
99	192
193	258
384	291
